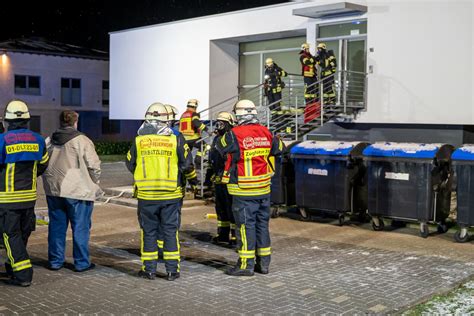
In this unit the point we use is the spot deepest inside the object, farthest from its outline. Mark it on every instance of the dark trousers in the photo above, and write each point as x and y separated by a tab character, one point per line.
274	97
160	241
225	218
328	90
253	235
16	226
310	89
153	217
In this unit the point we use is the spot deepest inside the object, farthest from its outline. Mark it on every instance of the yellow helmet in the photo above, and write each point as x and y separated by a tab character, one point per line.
322	45
157	112
227	117
244	107
16	109
269	62
305	46
193	103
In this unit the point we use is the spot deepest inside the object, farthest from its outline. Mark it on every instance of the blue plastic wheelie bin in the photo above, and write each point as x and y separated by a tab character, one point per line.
463	165
409	182
329	177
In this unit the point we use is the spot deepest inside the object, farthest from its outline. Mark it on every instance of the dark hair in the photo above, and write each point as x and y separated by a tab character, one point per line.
68	118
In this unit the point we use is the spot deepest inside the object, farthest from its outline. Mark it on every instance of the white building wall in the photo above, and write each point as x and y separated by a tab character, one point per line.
417	77
51	69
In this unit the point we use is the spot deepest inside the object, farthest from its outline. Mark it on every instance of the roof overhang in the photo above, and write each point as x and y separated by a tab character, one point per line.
331	10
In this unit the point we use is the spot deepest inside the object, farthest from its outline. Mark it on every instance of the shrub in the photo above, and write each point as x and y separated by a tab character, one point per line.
112	148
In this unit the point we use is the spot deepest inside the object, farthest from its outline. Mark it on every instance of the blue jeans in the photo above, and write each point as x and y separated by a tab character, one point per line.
61	211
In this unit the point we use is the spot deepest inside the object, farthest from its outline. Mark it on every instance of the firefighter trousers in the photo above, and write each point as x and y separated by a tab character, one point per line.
310	89
225	218
329	94
16	226
154	216
253	236
160	240
272	98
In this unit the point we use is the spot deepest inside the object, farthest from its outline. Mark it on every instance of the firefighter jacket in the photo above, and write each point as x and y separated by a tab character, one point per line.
249	166
308	63
327	61
191	126
217	161
273	81
160	164
23	158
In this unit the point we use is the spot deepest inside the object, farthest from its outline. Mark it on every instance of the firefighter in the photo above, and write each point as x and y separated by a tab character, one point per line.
174	113
160	162
191	126
308	70
23	158
327	63
273	85
225	219
249	147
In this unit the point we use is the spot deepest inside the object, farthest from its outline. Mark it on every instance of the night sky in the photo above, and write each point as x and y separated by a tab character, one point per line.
87	22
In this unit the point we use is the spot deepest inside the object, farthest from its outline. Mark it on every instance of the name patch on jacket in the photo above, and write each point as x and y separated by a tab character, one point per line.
154	143
252	142
18	148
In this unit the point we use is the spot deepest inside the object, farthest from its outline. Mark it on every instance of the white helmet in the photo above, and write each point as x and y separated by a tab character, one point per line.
193	103
16	109
157	112
227	117
245	107
172	111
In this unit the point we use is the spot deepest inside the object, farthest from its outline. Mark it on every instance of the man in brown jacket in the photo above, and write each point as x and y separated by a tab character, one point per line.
71	186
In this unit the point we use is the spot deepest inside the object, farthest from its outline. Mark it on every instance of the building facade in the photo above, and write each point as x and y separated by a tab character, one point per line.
51	77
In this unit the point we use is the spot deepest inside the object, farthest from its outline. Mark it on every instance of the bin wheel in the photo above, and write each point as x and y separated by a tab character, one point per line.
275	212
303	213
461	235
424	230
341	218
377	226
442	228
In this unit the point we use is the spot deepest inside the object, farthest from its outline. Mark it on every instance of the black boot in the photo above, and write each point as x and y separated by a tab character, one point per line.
146	275
172	276
260	269
236	271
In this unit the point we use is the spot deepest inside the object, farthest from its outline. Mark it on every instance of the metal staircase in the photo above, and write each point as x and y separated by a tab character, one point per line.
289	121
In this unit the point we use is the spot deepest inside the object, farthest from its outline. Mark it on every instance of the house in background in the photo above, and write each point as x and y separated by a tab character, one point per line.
51	77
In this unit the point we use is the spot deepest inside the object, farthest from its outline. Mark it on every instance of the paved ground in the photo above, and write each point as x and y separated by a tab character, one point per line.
317	268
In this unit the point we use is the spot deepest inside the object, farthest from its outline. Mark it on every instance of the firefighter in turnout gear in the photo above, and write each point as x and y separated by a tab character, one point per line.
23	158
190	125
308	70
160	162
248	171
223	200
273	85
327	63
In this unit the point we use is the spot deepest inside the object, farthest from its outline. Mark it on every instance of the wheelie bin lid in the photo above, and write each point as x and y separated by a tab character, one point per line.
465	152
403	150
326	148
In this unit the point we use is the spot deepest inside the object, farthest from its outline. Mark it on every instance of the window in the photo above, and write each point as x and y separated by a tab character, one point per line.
110	126
35	123
71	91
105	92
27	85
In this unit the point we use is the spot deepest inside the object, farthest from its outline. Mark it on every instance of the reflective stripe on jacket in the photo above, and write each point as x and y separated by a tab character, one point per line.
23	157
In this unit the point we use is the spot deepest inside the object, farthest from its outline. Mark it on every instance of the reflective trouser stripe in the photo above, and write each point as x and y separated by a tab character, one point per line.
160	243
22	265
243	236
247	254
264	251
9	250
232	226
223	224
